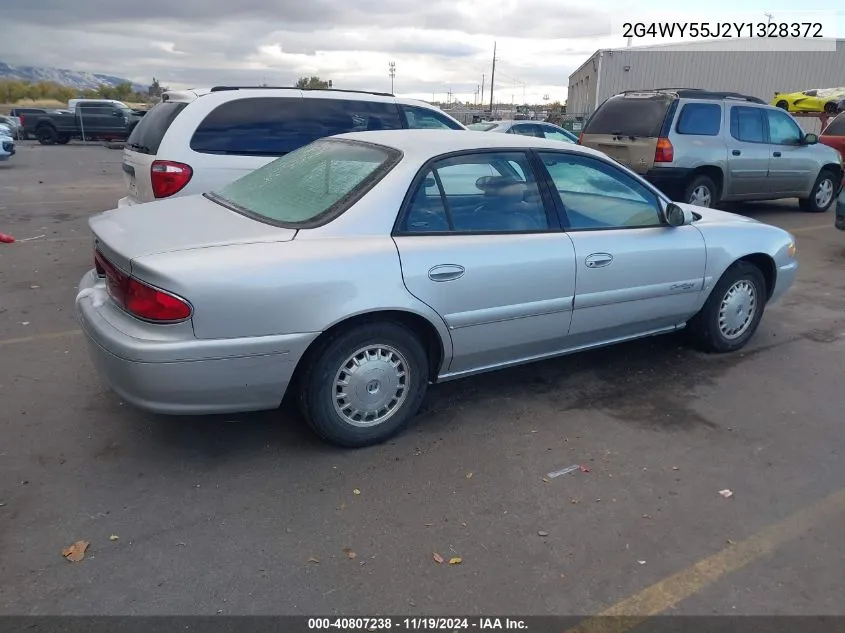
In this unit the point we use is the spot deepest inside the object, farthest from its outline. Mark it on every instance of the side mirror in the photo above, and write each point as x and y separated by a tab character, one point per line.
676	216
810	139
117	113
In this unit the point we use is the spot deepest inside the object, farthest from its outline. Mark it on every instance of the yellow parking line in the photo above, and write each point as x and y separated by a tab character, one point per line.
625	615
807	229
38	337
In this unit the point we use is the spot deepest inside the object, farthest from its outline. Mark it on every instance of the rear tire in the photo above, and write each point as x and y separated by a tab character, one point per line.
830	107
732	312
379	370
702	192
47	135
782	104
822	194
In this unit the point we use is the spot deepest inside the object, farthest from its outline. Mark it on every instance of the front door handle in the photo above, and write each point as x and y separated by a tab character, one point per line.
598	260
776	154
446	272
736	152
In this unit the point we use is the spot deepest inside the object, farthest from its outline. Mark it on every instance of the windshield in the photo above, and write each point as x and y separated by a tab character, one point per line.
482	127
309	184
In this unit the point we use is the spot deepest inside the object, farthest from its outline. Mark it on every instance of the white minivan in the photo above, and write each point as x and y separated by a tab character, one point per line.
196	141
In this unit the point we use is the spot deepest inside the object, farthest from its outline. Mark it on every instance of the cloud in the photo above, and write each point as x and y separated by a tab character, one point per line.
438	45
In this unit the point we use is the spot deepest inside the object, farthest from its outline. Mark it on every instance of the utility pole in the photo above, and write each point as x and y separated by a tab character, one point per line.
769	16
483	77
492	79
392	67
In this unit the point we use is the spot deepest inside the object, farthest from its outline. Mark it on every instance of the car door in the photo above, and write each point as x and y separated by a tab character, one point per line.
526	129
792	168
748	153
478	245
635	273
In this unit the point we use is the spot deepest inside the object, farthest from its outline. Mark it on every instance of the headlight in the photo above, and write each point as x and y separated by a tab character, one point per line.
791	249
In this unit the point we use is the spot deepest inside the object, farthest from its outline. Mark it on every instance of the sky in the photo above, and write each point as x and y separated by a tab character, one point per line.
438	46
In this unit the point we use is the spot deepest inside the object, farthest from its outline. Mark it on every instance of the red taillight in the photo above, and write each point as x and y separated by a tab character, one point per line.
664	153
139	299
21	118
169	177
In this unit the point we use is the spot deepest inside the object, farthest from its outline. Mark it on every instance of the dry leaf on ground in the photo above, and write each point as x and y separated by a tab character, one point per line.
469	475
349	553
313	560
356	492
727	494
114	537
438	558
585	468
456	560
76	552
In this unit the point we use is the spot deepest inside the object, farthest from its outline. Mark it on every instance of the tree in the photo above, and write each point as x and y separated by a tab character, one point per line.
123	91
312	83
155	90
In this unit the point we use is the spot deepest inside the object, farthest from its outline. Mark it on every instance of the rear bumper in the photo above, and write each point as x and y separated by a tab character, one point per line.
840	216
670	180
185	376
126	202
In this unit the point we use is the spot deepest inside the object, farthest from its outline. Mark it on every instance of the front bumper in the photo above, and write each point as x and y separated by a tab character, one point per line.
785	278
180	374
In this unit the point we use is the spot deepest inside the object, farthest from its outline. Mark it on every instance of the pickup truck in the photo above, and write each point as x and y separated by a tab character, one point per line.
89	121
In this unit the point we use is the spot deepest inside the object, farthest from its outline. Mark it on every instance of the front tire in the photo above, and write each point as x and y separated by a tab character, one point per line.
47	135
821	195
63	139
365	384
732	312
702	192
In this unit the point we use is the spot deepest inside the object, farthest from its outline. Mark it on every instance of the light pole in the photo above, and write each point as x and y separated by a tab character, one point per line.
392	67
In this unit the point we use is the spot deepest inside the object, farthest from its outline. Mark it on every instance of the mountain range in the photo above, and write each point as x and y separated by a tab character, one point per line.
73	78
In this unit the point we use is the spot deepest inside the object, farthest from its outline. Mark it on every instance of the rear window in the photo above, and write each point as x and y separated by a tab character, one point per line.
309	185
147	135
702	119
482	127
274	126
630	116
836	127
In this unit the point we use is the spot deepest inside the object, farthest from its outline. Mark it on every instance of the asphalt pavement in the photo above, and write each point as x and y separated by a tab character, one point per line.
250	514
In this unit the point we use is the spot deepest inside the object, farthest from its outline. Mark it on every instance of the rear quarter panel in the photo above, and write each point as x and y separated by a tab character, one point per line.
285	288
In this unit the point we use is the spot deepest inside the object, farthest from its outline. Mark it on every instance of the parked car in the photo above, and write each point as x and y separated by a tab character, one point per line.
198	140
816	100
709	147
88	121
7	143
356	270
540	129
833	135
21	114
14	125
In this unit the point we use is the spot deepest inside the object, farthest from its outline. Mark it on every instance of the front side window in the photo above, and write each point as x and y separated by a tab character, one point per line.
477	193
309	184
597	195
423	118
702	119
747	124
783	130
274	126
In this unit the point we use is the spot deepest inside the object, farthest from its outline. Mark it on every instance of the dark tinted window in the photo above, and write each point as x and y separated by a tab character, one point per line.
273	126
747	124
630	116
836	127
704	119
423	118
478	193
147	135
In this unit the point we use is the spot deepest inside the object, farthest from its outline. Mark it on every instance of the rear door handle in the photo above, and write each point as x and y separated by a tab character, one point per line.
446	272
736	152
598	260
776	154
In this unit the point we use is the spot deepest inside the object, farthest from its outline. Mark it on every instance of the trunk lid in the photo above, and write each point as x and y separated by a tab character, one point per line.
626	128
177	224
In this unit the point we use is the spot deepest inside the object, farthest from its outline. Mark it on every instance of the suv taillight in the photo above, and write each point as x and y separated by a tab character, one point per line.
21	119
138	298
664	153
169	177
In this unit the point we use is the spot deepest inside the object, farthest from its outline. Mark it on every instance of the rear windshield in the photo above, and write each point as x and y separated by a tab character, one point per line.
274	126
309	185
630	116
147	135
482	127
836	127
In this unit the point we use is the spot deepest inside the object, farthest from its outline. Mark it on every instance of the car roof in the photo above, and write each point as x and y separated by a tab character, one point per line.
424	144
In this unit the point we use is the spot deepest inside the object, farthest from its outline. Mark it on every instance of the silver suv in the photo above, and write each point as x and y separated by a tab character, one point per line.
705	147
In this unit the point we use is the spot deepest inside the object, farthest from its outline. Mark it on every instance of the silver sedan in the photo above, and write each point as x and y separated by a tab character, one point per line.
363	267
540	129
